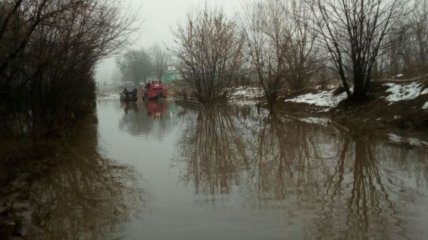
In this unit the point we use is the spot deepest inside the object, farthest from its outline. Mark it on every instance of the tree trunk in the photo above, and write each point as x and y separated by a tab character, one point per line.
359	94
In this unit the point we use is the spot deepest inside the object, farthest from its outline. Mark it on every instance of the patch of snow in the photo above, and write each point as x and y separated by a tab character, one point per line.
399	75
322	99
324	110
415	142
247	93
245	102
394	138
399	92
425	107
425	91
317	121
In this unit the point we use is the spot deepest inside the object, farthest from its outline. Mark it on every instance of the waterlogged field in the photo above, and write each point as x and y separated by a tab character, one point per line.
234	172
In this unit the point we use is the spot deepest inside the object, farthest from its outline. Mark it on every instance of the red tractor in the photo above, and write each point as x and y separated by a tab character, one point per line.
154	90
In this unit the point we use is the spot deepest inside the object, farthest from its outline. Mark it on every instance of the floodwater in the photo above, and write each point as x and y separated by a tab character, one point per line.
161	171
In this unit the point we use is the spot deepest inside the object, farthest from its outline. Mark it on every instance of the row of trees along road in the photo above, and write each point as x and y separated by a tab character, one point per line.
286	45
48	51
138	65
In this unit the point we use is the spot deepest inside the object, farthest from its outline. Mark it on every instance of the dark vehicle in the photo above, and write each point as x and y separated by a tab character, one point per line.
128	95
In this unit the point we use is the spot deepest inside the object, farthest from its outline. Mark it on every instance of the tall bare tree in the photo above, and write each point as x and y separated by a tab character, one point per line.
420	23
281	47
267	36
160	60
210	54
353	33
301	57
408	50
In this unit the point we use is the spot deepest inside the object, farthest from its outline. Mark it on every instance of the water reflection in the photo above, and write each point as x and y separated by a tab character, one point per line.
156	109
356	202
215	150
83	195
335	185
284	162
129	106
146	117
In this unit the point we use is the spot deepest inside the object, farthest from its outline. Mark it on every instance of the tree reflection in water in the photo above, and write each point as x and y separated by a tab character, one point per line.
332	183
83	196
283	161
367	195
214	149
355	202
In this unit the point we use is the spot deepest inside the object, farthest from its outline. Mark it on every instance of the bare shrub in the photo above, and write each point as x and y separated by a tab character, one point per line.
353	34
48	53
210	54
160	60
281	49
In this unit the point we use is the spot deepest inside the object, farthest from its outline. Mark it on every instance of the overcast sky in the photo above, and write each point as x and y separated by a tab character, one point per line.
156	21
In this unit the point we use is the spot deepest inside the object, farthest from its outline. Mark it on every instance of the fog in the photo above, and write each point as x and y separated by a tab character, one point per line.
155	22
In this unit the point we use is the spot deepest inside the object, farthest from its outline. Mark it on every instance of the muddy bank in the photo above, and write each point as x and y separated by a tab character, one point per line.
404	110
394	105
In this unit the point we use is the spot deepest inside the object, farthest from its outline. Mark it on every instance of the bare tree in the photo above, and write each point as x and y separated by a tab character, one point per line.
407	52
267	37
353	33
160	60
210	54
48	51
420	23
281	46
411	40
301	57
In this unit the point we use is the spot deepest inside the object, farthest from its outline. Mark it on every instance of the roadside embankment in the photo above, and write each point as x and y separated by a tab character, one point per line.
391	104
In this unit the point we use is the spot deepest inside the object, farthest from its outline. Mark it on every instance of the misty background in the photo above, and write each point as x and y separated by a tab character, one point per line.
155	23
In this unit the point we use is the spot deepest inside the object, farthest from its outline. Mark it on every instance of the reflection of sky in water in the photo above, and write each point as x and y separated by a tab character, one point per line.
232	174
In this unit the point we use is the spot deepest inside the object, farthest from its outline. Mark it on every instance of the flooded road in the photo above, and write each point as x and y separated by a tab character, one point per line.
233	173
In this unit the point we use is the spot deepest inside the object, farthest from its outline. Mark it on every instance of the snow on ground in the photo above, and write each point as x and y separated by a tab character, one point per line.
425	91
425	107
249	92
318	121
402	92
394	138
245	102
322	99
